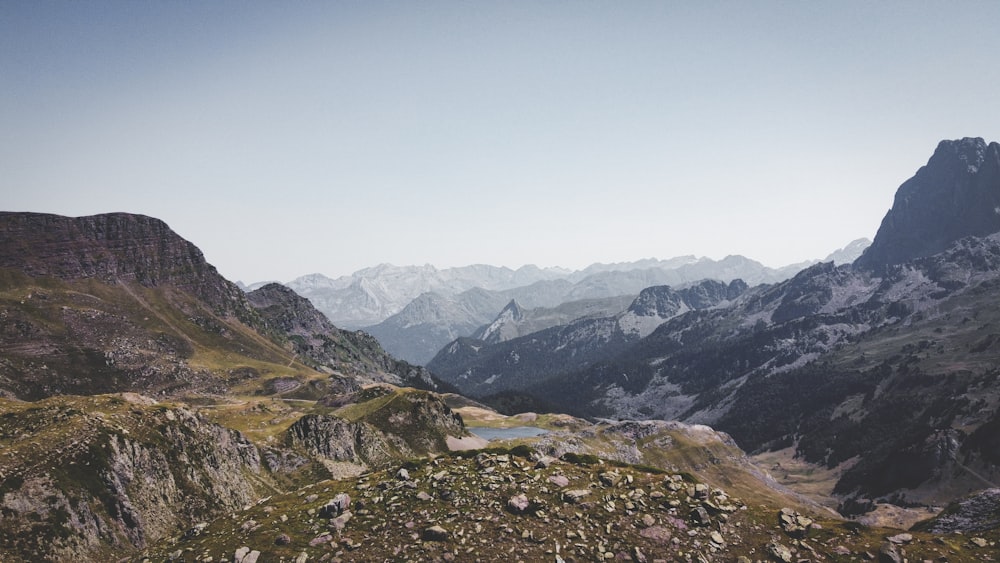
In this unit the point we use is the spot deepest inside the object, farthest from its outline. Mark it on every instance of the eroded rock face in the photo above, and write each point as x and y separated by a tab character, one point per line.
957	194
113	248
974	513
410	423
118	479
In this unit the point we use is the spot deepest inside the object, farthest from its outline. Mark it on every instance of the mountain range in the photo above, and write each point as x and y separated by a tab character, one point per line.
152	410
415	310
884	370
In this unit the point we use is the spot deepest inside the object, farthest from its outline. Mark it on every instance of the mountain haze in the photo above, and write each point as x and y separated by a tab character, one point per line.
152	410
884	370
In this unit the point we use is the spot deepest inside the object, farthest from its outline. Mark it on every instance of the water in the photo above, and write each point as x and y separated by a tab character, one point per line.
507	433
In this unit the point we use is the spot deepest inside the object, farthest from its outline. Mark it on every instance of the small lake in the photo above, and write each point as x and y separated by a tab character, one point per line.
507	433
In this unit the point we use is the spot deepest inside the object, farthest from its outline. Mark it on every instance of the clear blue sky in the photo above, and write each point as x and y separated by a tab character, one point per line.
285	138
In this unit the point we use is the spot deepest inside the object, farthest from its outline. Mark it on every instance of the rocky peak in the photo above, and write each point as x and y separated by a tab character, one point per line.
514	310
503	327
957	194
287	311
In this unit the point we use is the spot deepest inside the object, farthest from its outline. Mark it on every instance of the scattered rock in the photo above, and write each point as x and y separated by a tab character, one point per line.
793	523
336	506
340	522
700	517
888	553
779	552
900	539
321	539
282	539
245	555
559	480
610	478
656	533
975	513
403	474
435	533
575	496
701	491
518	504
979	542
544	462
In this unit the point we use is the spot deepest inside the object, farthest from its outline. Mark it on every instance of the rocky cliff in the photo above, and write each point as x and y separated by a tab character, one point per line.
114	248
957	194
383	425
86	478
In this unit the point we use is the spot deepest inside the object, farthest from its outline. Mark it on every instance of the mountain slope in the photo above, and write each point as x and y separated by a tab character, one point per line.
312	337
894	376
479	368
514	321
119	302
883	371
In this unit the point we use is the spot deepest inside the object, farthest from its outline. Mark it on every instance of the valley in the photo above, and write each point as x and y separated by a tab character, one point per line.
678	410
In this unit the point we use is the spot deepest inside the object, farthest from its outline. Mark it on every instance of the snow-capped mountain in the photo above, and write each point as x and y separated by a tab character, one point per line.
849	253
884	369
370	296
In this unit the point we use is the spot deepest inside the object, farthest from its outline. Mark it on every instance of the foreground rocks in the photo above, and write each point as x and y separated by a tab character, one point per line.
504	507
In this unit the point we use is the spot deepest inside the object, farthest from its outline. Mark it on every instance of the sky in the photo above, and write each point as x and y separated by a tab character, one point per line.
289	138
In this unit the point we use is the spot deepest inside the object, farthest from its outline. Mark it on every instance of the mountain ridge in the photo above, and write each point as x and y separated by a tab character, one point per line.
371	295
816	361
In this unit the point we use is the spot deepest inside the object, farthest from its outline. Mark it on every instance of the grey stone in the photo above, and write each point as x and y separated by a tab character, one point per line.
779	552
700	517
340	522
888	553
435	533
901	538
575	496
518	504
610	478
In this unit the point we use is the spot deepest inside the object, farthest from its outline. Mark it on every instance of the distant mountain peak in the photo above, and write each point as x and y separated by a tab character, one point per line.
509	316
955	195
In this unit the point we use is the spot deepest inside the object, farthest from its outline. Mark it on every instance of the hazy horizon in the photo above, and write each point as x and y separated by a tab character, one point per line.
326	137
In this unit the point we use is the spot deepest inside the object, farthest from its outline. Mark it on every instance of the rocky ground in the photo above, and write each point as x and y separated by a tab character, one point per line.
515	505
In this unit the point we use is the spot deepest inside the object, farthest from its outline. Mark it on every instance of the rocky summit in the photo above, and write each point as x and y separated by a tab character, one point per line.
954	196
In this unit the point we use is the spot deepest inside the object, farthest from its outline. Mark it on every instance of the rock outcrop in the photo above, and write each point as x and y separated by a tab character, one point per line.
292	319
378	425
956	195
114	248
116	474
974	513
